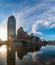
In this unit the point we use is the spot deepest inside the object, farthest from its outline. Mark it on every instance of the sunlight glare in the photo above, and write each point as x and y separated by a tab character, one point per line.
3	35
3	48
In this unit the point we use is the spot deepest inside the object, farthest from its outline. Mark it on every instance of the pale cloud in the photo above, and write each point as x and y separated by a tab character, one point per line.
52	25
46	19
3	30
46	23
36	25
18	17
32	9
34	56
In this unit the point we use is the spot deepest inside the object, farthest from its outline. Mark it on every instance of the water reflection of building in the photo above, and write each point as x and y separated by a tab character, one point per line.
11	28
10	55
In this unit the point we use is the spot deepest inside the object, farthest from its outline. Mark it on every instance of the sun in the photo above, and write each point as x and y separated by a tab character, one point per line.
3	35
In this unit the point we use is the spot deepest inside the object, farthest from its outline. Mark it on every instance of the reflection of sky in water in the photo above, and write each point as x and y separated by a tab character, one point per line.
45	56
48	51
3	55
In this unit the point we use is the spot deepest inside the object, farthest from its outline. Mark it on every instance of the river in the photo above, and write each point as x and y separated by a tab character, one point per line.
11	55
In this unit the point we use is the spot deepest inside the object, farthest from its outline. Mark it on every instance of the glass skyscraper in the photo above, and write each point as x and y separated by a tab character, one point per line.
11	28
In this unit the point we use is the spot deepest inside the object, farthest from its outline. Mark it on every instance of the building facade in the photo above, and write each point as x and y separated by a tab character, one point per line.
11	28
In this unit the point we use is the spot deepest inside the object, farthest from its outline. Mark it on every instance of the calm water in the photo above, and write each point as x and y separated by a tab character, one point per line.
11	55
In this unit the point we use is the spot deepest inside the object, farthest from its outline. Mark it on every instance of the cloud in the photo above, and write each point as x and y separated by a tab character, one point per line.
3	29
47	19
37	58
28	11
52	25
36	25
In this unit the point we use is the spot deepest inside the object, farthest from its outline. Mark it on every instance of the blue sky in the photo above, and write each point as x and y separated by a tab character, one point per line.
35	16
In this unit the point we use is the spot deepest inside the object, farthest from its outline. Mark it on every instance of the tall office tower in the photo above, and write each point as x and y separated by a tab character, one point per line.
11	28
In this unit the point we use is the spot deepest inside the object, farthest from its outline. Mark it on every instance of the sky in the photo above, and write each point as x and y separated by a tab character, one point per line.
35	16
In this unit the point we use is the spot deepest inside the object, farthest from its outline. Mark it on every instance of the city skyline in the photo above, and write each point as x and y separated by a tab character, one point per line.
35	16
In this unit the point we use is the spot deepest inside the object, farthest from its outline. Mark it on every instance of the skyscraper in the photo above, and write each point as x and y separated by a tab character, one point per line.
11	28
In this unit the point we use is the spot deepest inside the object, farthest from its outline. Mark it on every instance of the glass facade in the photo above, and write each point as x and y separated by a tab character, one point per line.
11	27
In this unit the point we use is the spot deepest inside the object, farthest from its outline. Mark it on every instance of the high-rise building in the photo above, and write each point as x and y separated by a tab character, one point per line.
11	28
21	34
